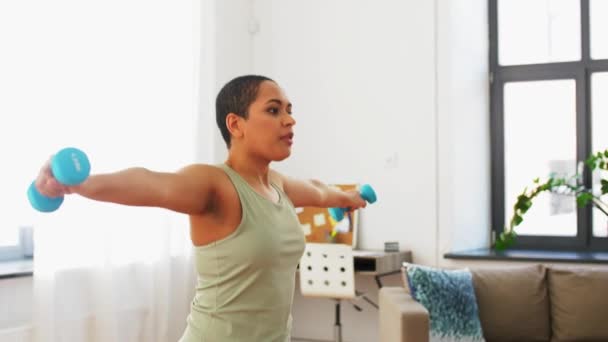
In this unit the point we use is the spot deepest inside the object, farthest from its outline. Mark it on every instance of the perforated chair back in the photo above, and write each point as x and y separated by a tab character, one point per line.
327	270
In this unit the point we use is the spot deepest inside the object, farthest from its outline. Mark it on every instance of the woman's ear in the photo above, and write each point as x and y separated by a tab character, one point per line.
234	125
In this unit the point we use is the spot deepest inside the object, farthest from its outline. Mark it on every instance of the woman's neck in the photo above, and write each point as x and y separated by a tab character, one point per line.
253	170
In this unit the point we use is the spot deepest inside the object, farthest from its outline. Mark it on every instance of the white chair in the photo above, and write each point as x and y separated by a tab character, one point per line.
327	270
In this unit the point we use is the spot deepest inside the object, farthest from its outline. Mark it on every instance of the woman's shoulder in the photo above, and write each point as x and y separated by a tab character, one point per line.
200	169
214	175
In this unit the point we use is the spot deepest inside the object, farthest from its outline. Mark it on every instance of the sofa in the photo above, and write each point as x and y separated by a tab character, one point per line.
522	303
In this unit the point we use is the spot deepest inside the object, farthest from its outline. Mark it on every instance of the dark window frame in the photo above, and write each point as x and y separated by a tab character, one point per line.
581	72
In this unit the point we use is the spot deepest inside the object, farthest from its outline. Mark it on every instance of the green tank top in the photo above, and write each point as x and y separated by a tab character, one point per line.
246	281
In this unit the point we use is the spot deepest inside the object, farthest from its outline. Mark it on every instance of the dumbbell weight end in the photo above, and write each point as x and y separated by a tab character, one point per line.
42	203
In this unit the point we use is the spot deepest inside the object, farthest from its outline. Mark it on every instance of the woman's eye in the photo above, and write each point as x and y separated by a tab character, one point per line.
273	110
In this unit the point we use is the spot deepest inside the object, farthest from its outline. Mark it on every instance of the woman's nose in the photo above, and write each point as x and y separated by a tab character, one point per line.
289	120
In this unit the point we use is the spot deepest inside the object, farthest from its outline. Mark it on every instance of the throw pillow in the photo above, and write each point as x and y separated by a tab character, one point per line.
449	297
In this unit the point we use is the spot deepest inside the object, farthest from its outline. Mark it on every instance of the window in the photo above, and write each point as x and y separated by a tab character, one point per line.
9	244
549	74
16	243
116	79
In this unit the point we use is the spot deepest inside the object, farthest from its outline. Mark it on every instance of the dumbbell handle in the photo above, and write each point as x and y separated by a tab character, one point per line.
366	192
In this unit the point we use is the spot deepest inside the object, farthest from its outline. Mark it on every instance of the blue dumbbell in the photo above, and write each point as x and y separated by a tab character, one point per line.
70	166
366	192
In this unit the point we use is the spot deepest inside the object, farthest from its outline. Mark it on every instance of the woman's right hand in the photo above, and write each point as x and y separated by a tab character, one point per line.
47	184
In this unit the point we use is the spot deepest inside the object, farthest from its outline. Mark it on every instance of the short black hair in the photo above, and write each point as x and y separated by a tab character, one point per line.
235	97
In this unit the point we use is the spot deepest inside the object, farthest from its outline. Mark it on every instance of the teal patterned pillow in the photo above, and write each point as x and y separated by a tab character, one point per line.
449	297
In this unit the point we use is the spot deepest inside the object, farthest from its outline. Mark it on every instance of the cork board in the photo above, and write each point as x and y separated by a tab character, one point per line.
318	225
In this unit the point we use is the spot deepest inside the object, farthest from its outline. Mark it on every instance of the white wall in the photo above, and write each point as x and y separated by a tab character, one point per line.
463	144
362	78
228	54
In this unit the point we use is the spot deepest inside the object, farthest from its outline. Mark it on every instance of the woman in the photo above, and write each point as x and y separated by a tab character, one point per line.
246	234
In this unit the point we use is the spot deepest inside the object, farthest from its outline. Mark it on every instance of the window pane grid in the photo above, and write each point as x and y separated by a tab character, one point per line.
588	228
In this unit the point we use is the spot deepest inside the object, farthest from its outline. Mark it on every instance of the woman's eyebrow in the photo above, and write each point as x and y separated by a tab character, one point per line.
279	102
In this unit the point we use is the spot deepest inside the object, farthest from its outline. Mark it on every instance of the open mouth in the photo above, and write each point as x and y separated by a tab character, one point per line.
288	138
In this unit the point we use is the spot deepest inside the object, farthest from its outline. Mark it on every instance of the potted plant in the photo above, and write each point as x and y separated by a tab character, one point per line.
566	185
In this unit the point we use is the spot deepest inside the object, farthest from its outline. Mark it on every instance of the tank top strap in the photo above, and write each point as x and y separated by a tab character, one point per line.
246	192
235	178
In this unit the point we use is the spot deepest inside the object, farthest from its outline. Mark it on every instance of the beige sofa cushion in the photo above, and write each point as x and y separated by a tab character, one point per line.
579	303
513	303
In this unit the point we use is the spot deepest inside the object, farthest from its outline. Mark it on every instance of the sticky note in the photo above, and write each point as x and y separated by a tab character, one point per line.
319	220
306	229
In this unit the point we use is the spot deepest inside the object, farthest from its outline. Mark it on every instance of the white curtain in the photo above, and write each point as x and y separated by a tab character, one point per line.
111	274
118	79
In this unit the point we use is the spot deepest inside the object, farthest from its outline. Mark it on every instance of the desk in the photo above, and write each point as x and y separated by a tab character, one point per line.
379	263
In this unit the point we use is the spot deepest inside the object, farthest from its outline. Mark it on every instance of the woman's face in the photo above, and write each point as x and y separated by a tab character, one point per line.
268	130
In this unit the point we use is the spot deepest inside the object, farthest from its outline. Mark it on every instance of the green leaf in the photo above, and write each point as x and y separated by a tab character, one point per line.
590	165
505	240
511	240
510	235
606	153
604	186
583	198
517	219
523	203
500	245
